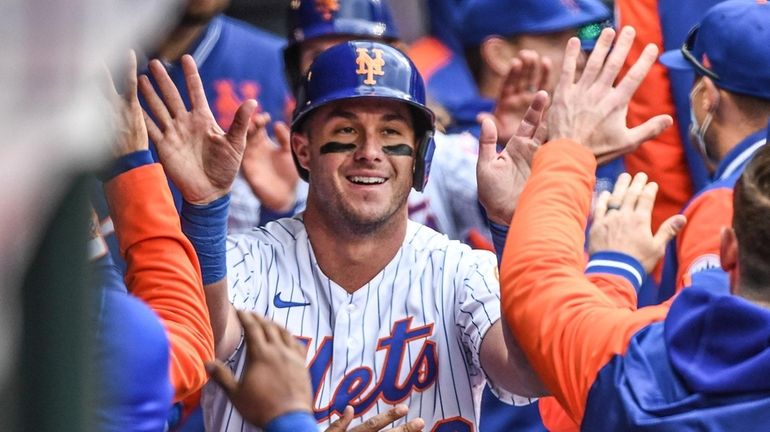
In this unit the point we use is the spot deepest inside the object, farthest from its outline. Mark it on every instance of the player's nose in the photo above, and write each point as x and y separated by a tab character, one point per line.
370	149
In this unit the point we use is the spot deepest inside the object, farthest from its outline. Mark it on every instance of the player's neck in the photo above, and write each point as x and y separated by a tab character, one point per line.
179	41
351	260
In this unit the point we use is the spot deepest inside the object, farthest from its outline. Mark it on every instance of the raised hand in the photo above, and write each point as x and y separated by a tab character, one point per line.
592	111
197	155
378	422
529	72
501	176
274	380
131	130
622	219
268	167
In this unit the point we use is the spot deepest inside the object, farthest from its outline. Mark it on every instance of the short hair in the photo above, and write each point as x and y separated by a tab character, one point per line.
751	221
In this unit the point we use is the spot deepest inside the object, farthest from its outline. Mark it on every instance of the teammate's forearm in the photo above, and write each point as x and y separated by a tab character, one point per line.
163	269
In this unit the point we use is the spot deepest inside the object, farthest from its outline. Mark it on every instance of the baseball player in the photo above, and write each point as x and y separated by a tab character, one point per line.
730	108
695	363
448	204
389	310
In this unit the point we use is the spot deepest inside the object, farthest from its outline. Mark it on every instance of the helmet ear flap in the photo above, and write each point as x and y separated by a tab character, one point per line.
422	161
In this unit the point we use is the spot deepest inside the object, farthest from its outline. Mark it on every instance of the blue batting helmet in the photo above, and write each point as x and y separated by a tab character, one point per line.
356	19
359	69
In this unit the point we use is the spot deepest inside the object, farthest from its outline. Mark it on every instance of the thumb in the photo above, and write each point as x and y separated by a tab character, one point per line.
222	376
668	230
241	122
283	134
649	129
487	138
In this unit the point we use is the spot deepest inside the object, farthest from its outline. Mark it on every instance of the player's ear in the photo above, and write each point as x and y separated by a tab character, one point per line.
496	54
301	149
728	255
710	95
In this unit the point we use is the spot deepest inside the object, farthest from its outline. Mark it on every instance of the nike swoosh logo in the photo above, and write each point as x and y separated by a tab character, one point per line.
279	303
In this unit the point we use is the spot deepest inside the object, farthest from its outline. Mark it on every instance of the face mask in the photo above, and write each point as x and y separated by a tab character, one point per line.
698	132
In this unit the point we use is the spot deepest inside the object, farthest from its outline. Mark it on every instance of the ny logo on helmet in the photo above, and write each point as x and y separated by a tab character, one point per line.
369	66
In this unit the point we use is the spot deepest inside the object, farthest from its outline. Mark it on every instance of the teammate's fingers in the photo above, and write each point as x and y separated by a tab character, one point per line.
636	74
152	129
617	57
668	230
596	59
194	84
283	135
414	425
649	129
533	116
253	332
619	191
271	330
512	80
487	140
634	190
341	424
240	125
131	78
376	423
600	208
222	375
646	200
571	53
527	65
171	96
535	71
156	105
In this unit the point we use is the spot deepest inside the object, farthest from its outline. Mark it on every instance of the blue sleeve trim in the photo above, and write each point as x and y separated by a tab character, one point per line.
206	227
617	263
126	163
297	421
499	234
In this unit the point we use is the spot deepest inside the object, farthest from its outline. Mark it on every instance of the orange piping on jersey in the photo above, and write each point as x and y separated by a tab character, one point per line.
163	270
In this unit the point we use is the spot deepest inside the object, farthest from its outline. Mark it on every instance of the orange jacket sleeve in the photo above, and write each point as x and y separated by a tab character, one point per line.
567	326
697	245
163	270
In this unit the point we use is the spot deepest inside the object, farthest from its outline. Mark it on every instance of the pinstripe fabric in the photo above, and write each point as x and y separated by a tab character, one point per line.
413	332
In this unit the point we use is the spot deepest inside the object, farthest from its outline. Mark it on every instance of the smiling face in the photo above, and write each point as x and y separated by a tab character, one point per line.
360	156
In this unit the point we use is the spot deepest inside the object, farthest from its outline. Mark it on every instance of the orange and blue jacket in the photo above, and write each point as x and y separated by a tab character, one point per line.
610	365
163	270
696	247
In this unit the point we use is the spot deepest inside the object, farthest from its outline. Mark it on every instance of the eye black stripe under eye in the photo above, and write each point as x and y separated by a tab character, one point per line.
337	147
398	150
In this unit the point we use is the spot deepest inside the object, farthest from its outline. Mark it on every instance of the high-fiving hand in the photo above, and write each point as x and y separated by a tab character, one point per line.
197	155
592	111
501	176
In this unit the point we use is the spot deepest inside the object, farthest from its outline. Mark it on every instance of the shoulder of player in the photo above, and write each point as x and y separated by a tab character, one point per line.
421	239
716	196
284	232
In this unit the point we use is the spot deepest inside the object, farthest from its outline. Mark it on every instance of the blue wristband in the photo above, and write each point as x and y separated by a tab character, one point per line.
499	234
206	227
619	264
295	421
125	163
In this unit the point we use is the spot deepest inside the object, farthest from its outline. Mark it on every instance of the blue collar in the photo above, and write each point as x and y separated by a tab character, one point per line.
739	156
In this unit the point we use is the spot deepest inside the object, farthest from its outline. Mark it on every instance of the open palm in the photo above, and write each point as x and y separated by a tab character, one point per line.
198	156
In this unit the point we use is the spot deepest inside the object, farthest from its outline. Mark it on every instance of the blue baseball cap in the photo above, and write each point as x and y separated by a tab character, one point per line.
484	18
731	45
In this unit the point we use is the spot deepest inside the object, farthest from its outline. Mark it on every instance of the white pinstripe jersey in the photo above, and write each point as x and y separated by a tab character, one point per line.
411	335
